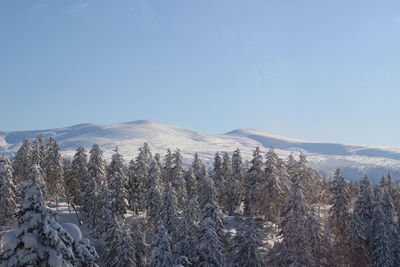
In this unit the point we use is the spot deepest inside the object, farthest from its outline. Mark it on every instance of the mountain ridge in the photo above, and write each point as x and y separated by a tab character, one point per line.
129	136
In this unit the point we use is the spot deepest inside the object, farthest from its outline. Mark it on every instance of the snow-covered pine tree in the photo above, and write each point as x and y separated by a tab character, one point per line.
229	188
85	253
391	225
238	179
95	187
40	239
161	254
394	190
190	183
206	191
253	179
294	249
218	177
383	183
210	208
284	176
291	166
310	179
390	186
320	249
339	217
96	166
118	182
247	245
8	206
360	235
54	171
178	178
157	158
69	186
38	151
381	251
22	162
209	250
169	211
134	190
271	192
79	174
167	167
141	247
153	197
120	247
188	227
199	169
137	178
105	209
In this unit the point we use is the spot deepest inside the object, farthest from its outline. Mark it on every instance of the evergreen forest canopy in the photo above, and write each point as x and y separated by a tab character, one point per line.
158	211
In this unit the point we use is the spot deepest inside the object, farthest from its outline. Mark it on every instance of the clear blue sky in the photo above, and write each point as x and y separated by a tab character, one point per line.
315	70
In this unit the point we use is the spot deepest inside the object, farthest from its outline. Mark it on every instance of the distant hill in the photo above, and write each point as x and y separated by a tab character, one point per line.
354	160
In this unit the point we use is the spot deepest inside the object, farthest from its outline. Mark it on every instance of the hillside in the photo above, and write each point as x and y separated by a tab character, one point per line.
354	160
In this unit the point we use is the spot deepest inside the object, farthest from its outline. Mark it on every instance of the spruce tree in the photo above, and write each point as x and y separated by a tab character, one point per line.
190	183
237	181
271	191
153	197
161	254
320	248
8	206
118	181
381	251
157	158
38	151
70	187
209	249
178	178
210	208
206	191
134	188
138	175
340	217
120	247
218	177
36	174
253	180
22	162
391	225
188	226
79	174
169	211
247	245
295	249
229	189
310	179
167	167
199	169
95	189
41	241
54	171
360	236
141	247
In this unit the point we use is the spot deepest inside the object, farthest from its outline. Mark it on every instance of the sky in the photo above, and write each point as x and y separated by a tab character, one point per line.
315	70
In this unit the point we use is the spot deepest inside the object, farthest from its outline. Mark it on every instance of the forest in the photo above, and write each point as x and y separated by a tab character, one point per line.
160	211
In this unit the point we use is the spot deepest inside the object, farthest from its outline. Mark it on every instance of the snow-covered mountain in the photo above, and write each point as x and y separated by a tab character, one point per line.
354	160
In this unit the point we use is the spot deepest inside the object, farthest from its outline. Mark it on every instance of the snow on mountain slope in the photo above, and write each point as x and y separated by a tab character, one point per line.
128	137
